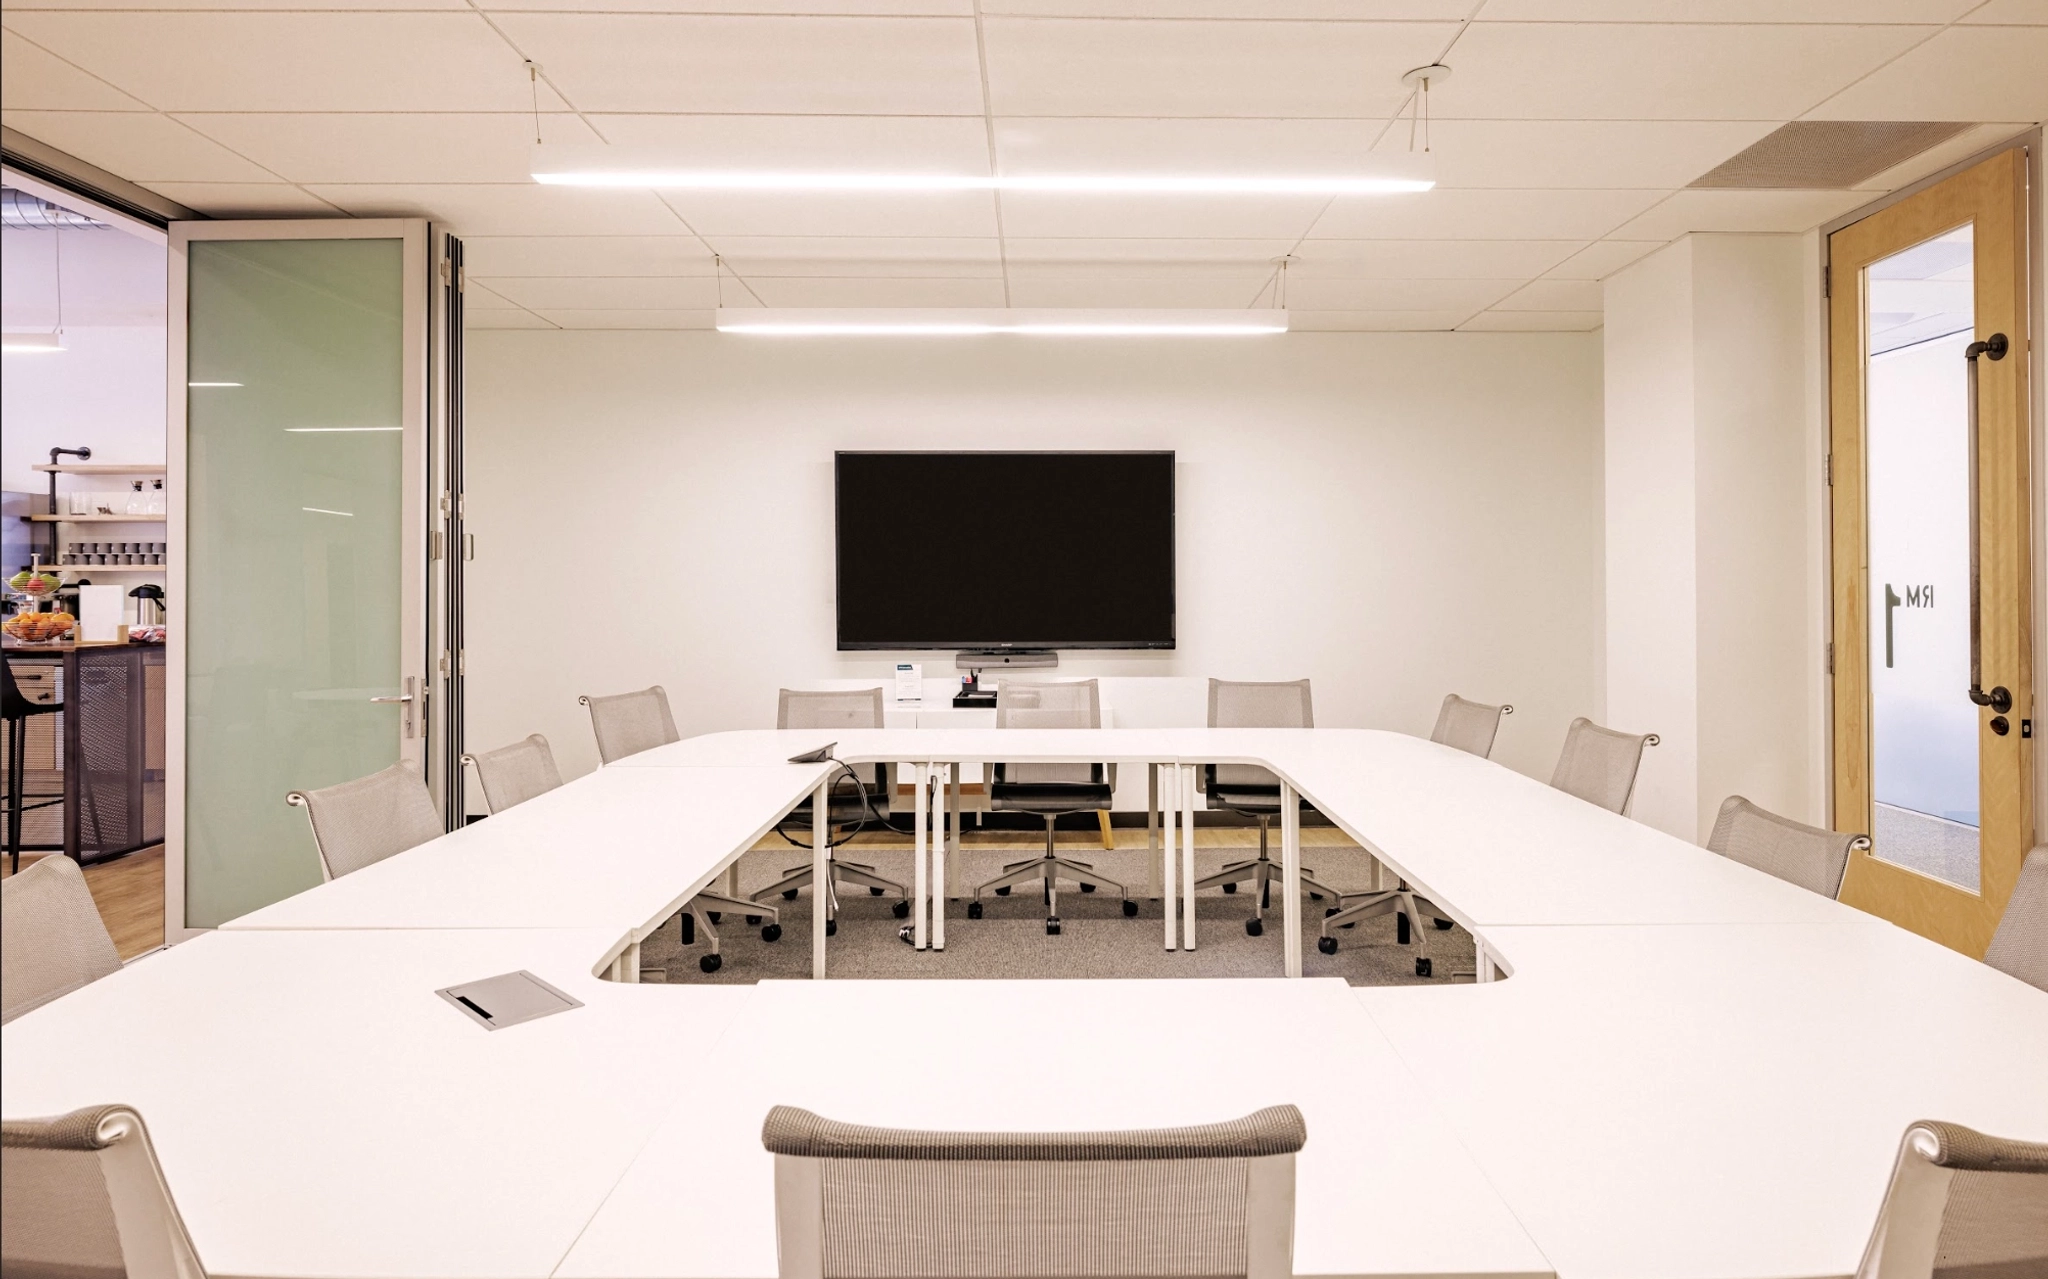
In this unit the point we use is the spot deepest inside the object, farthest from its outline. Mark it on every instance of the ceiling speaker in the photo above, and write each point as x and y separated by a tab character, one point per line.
1827	155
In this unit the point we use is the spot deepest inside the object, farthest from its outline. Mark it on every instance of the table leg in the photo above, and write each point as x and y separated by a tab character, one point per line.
1290	876
626	968
920	857
1169	809
821	872
946	853
1152	827
1484	968
1187	857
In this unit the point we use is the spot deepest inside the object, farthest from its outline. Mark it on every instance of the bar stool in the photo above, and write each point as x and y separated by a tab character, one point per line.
18	710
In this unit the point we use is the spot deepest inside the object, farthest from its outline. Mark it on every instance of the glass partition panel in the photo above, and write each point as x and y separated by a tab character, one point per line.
293	549
1923	727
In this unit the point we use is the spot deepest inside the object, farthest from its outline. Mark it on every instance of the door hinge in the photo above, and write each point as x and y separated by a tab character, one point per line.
1831	657
1827	469
441	663
462	662
447	274
444	505
439	550
1827	281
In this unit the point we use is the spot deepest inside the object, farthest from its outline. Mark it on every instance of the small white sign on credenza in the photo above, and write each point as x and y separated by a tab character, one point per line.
910	681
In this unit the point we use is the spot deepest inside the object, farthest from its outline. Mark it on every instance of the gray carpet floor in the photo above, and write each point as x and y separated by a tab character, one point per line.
1096	940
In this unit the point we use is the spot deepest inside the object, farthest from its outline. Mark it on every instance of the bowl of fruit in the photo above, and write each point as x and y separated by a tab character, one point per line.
39	628
37	584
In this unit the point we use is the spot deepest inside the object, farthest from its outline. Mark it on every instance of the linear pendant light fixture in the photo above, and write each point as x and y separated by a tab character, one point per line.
556	174
981	321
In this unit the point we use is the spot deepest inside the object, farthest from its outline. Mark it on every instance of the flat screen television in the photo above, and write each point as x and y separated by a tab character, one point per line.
1006	550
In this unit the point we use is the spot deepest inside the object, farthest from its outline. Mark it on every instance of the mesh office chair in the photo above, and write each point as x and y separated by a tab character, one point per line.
1961	1205
1049	790
1212	1200
511	775
628	723
1599	765
85	1198
51	938
359	823
1468	726
1463	725
1797	853
2020	946
831	712
1251	790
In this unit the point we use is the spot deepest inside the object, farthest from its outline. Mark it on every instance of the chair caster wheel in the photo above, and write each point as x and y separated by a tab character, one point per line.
974	910
789	894
1052	927
831	928
1002	892
1443	925
713	915
874	891
1330	910
1401	929
1130	909
1230	888
1422	968
1352	924
772	932
709	963
1087	888
1328	945
1254	927
1315	897
901	910
752	920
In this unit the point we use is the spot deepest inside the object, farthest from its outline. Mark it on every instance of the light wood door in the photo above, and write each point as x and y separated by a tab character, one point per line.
1932	740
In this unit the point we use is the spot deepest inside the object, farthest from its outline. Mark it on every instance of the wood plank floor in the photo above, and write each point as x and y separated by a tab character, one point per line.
130	894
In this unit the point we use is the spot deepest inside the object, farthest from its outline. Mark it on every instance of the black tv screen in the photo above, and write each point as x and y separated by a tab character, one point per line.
1008	550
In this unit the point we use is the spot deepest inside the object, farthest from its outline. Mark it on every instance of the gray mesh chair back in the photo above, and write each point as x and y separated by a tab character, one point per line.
1468	726
51	938
1245	704
513	774
2020	946
628	723
1048	704
83	1197
834	711
364	821
1797	853
1211	1200
1961	1205
1599	765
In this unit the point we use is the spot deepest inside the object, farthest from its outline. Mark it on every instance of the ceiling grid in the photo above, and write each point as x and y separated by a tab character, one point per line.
1566	142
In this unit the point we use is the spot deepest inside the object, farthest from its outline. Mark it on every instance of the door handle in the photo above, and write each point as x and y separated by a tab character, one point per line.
1891	601
1999	699
408	699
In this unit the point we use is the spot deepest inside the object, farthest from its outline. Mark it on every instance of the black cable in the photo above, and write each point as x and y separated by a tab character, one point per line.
867	805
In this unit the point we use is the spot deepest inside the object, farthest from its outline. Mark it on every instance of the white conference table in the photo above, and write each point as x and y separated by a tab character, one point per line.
1693	1071
699	1200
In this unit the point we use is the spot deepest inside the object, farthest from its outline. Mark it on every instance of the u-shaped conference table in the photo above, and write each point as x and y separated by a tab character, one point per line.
1689	1069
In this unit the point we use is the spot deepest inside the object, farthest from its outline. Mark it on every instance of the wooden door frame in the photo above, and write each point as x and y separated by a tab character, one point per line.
1992	193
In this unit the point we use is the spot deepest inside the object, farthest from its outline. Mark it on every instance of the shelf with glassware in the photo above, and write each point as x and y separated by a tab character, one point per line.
144	502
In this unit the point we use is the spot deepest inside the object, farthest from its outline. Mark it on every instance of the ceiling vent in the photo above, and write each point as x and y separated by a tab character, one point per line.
1827	155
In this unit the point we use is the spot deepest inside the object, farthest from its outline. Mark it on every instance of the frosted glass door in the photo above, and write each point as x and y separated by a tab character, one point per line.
300	625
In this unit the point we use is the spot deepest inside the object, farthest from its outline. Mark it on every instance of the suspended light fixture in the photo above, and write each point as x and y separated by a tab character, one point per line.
555	173
981	321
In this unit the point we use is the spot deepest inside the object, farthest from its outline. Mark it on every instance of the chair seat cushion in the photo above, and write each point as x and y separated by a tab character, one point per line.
1048	797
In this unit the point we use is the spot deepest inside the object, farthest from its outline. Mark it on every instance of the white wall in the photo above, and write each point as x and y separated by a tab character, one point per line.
1394	515
104	390
1711	620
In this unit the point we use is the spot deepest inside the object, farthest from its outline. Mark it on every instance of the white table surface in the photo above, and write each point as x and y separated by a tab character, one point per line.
1716	1102
321	1112
1382	1188
620	848
1693	1070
